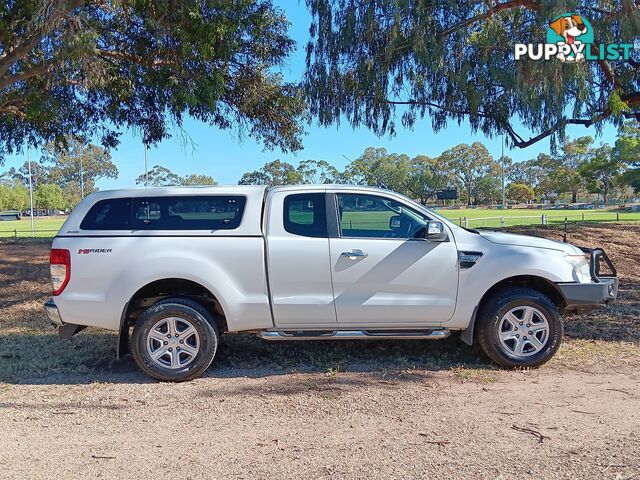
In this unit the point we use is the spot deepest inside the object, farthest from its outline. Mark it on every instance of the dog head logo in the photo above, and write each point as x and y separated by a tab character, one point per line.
569	27
572	31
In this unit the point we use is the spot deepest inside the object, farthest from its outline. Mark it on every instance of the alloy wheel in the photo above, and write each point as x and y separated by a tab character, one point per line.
173	342
523	331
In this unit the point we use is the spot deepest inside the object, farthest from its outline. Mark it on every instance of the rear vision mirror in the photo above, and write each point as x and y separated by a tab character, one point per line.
435	232
394	222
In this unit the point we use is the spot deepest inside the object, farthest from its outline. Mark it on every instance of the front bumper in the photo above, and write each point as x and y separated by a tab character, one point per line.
53	313
601	291
579	296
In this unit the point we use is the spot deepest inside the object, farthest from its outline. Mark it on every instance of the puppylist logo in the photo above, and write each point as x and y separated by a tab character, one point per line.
570	38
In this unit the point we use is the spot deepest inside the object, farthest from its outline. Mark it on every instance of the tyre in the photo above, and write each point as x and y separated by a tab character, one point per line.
174	340
519	327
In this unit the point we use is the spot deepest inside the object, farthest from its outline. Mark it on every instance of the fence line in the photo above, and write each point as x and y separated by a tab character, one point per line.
37	233
545	219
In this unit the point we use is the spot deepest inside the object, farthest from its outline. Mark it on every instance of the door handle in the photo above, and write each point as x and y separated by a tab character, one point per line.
356	253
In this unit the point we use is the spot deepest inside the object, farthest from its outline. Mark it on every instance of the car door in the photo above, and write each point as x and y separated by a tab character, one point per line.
382	274
298	259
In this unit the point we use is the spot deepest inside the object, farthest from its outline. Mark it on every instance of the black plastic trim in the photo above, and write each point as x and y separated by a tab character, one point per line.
595	294
466	264
123	333
597	254
68	330
333	227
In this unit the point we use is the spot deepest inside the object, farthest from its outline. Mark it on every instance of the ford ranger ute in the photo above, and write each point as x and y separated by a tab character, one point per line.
172	268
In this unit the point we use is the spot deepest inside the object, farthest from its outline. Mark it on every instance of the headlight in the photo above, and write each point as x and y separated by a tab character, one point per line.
581	267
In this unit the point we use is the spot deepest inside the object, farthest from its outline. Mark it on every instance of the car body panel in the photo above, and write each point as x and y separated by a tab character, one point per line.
265	277
299	271
406	281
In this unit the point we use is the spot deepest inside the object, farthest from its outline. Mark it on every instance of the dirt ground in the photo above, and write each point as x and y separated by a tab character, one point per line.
414	409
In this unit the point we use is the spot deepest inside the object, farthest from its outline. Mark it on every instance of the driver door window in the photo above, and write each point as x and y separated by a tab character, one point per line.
369	216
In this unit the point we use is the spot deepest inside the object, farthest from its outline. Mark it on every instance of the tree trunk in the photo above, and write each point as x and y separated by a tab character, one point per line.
574	196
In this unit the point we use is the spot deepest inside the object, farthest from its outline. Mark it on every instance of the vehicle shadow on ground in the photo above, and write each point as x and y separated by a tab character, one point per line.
32	354
90	358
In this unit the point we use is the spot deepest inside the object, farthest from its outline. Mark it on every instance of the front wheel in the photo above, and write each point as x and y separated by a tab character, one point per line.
519	327
174	340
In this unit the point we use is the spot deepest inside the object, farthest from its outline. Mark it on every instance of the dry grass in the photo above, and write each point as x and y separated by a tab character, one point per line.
29	346
30	351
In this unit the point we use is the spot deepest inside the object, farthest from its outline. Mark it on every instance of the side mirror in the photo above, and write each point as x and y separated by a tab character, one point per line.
394	222
434	232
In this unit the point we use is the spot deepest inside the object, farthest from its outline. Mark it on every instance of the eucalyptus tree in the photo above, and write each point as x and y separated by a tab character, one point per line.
94	67
469	165
273	174
454	60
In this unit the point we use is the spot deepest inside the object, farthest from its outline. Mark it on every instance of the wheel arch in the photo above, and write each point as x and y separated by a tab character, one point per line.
540	284
156	290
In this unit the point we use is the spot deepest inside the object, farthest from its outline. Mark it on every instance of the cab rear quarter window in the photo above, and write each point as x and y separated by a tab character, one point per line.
110	214
211	212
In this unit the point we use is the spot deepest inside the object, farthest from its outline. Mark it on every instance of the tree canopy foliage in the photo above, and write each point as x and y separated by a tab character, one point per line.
520	193
90	67
198	179
273	174
470	165
74	170
453	60
577	170
160	176
627	149
49	196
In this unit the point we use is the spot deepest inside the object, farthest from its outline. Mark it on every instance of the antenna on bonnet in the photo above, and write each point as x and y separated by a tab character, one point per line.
564	238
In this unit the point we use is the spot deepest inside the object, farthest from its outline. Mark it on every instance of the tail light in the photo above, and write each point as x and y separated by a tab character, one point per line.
60	265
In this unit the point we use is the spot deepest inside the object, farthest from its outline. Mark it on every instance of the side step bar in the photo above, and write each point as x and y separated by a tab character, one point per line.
278	335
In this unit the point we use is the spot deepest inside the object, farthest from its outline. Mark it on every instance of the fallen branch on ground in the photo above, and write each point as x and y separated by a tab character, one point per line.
530	431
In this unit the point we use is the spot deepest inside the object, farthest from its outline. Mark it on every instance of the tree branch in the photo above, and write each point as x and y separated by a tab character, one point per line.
7	81
137	59
530	4
12	107
45	20
632	100
438	106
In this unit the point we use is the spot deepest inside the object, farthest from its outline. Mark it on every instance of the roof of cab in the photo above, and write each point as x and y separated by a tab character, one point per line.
328	186
187	190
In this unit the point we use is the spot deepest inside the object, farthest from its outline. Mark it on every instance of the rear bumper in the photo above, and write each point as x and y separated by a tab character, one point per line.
53	313
65	330
579	296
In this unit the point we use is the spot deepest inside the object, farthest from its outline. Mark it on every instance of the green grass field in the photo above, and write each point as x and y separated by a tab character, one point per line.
483	217
46	227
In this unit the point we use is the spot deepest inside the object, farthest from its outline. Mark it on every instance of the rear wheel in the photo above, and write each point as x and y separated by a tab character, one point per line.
175	340
519	327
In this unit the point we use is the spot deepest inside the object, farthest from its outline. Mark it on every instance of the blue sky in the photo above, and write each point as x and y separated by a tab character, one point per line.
225	157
